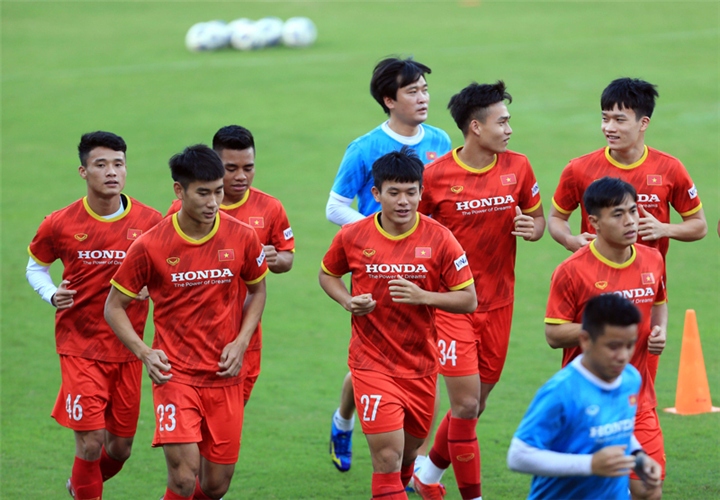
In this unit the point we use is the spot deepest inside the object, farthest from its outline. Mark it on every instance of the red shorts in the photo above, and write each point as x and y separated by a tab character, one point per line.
209	416
98	395
385	403
649	433
474	343
250	371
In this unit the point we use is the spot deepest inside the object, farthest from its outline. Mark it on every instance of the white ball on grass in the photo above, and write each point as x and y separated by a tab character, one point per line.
270	29
244	35
299	32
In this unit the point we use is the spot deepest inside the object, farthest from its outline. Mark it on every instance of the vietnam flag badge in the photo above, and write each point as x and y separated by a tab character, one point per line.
132	234
256	221
648	278
226	255
508	179
423	252
654	180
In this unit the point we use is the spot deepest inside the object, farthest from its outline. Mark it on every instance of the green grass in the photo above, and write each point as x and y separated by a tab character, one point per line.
71	67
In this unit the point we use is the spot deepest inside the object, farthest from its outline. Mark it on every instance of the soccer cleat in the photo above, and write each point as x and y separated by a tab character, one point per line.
428	491
340	448
70	489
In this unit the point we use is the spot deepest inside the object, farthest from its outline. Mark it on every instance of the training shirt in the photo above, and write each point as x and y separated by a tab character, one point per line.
196	290
354	177
586	274
478	206
576	412
91	249
267	216
396	339
659	179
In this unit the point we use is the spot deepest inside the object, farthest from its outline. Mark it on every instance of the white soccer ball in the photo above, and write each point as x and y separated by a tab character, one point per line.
244	35
212	35
269	30
299	32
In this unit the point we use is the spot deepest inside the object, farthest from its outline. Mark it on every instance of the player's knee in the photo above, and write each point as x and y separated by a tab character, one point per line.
216	489
88	445
387	460
119	448
467	407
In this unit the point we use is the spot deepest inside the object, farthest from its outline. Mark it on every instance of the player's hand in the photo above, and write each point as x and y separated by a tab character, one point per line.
158	366
524	224
612	461
63	298
143	295
656	341
406	292
648	470
649	228
360	305
271	255
231	360
575	243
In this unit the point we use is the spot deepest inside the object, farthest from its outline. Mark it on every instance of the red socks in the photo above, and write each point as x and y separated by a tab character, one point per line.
387	487
109	467
86	479
406	474
465	456
199	493
171	495
439	453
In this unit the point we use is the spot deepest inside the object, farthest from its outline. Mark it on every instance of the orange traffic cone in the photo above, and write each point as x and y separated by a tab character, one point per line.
693	393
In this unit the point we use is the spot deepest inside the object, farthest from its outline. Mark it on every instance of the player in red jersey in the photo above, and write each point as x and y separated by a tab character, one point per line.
193	264
99	398
488	197
613	263
404	267
236	147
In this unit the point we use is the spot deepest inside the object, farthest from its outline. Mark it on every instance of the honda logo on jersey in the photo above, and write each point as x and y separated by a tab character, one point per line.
485	202
201	275
101	254
648	198
395	268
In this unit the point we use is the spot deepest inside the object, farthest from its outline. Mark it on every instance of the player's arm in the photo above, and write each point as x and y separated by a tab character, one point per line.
529	226
335	288
39	278
692	228
461	301
338	210
562	335
559	228
278	262
233	353
658	325
155	360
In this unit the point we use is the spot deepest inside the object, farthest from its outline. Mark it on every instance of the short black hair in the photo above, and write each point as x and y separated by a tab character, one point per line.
606	192
196	163
233	137
393	73
399	166
630	93
99	139
608	309
472	102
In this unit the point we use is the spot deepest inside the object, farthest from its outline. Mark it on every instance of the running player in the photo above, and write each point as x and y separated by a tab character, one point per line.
404	266
399	87
192	264
488	197
99	398
577	435
613	263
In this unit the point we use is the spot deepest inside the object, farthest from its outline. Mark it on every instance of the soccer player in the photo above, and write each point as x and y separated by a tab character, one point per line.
404	266
577	435
399	86
236	147
192	264
99	398
488	197
613	263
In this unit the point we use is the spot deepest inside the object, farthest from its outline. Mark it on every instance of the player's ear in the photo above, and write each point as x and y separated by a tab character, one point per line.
82	171
593	220
644	122
179	190
389	102
376	193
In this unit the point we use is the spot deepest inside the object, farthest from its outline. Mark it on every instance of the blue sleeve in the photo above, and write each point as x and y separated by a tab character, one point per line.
351	175
544	420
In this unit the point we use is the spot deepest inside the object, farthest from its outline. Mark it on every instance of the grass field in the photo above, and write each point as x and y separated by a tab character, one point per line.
72	67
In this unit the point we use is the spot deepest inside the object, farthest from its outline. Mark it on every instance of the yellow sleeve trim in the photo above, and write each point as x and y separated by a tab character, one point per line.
660	303
46	264
462	285
258	280
559	208
327	271
693	211
533	208
123	289
556	321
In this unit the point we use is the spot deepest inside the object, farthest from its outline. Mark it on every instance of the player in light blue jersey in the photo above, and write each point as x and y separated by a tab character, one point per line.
577	435
399	86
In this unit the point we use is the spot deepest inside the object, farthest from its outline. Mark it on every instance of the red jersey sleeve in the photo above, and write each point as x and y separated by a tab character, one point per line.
684	195
530	196
281	235
134	272
566	198
562	306
335	262
456	272
254	265
42	249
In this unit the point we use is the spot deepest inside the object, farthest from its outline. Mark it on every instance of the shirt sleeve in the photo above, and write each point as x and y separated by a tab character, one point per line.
545	419
254	267
39	278
338	210
456	273
530	196
134	273
562	304
335	262
281	236
525	458
42	247
684	195
351	174
566	199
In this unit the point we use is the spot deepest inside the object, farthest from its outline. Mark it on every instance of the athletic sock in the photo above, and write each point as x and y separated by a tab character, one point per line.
465	456
406	473
171	495
388	486
343	424
86	479
199	493
438	459
109	467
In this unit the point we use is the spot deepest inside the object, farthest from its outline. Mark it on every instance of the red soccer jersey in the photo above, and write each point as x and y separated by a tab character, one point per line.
478	206
586	274
397	339
267	216
659	179
91	248
196	287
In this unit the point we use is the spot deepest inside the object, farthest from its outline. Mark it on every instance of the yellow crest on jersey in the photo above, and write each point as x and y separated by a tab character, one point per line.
456	189
602	285
173	261
368	252
81	236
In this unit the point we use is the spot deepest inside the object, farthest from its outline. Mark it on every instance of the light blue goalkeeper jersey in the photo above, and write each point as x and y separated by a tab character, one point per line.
576	412
354	177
